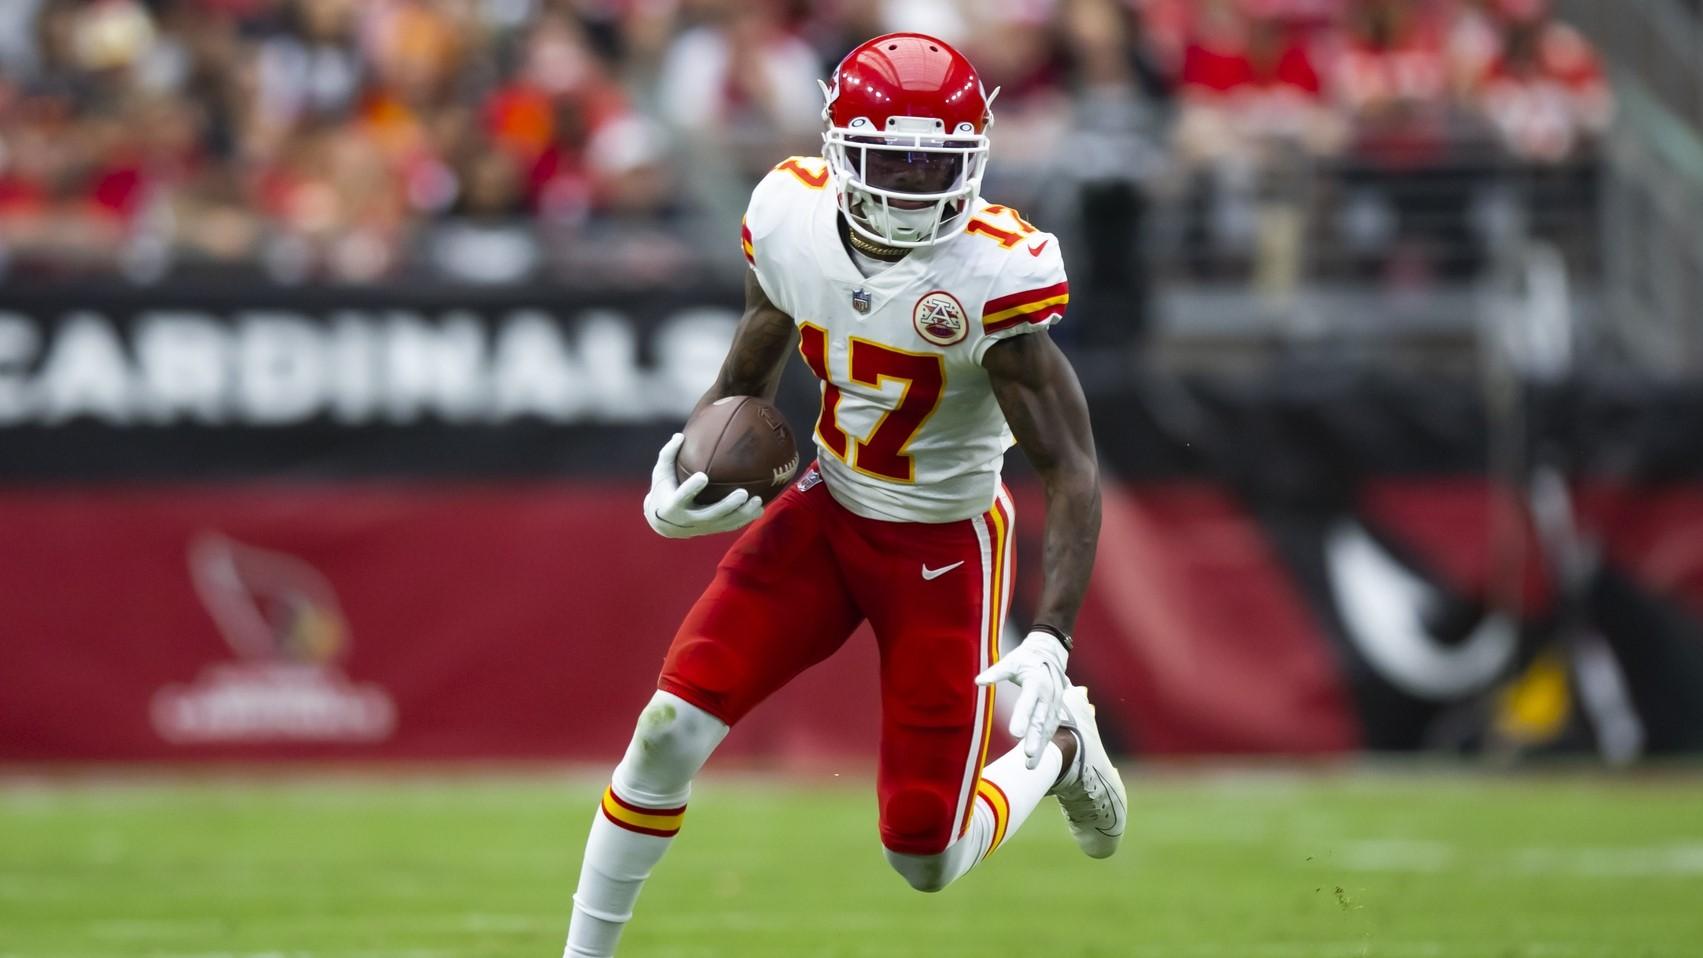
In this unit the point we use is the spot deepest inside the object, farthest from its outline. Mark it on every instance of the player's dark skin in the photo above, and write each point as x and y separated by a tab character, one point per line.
1038	391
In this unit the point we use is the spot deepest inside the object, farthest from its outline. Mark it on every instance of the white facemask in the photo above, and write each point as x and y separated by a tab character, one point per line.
869	209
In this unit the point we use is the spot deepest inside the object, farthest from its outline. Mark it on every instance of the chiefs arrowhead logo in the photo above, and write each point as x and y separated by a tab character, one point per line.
939	318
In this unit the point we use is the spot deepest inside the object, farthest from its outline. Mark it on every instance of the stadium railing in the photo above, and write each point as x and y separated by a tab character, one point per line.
1652	211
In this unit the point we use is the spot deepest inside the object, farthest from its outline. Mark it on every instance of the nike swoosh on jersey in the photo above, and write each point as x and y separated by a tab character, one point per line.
930	575
1038	247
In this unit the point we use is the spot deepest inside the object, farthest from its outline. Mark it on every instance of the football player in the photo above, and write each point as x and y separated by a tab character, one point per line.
923	310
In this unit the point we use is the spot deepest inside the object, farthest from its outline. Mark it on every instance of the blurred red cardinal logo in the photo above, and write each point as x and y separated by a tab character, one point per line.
282	618
269	606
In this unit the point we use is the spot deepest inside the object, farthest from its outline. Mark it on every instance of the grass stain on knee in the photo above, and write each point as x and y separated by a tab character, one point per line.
654	719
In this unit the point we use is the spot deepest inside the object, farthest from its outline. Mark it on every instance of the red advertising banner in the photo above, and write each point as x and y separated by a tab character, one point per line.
526	620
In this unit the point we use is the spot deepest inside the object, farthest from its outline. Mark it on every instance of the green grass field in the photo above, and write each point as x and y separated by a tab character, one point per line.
1401	865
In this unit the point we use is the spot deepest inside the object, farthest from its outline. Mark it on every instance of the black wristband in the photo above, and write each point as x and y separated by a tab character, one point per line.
1056	633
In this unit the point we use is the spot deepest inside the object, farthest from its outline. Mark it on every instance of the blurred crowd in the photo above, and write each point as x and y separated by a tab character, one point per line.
492	139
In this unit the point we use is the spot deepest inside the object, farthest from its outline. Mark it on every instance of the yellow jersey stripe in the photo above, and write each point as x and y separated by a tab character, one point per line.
1025	309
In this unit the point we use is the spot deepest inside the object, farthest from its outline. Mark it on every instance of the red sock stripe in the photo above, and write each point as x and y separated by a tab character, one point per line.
662	823
1000	806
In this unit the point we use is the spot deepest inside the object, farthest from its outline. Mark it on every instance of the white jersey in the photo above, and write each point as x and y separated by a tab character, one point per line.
909	428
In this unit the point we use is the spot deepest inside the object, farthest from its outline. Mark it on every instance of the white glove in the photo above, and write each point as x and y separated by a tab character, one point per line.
669	509
1038	666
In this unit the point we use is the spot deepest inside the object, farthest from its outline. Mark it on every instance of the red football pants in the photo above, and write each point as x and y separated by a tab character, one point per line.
797	583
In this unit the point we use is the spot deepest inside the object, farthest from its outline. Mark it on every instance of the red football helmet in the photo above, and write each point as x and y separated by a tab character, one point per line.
907	141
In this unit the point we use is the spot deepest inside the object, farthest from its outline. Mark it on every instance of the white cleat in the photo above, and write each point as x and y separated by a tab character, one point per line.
1094	801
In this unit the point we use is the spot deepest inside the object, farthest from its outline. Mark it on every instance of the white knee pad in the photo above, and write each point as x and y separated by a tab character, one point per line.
933	873
672	741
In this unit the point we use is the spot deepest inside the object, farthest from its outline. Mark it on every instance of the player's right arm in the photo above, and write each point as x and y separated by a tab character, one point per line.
764	339
761	343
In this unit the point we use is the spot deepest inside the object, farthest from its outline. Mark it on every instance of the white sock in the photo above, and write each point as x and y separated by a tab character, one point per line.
1008	781
1006	794
641	812
617	862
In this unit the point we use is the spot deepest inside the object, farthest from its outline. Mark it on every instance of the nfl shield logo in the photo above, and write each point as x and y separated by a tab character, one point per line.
860	300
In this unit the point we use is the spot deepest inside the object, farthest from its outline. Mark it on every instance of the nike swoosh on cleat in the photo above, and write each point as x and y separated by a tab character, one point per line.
930	575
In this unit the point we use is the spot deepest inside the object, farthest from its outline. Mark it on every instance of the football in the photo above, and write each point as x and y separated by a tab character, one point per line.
740	442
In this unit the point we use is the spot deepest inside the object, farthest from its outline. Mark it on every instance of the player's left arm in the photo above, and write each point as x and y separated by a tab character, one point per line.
1043	402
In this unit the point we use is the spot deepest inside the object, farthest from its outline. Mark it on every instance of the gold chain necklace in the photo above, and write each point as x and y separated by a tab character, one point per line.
876	250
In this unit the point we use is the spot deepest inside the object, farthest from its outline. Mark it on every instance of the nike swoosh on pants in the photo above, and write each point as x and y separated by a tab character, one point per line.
932	574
